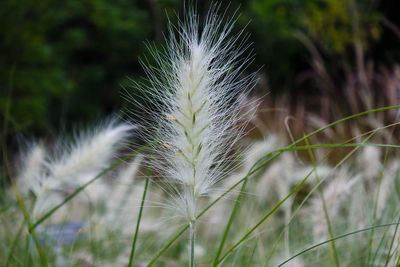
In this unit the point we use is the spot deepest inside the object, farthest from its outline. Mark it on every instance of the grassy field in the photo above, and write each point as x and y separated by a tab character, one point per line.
210	175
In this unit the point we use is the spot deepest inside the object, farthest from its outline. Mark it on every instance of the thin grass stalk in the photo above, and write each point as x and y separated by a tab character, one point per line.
391	243
81	188
14	243
398	261
42	256
22	206
192	233
27	255
148	174
371	237
167	245
318	184
326	127
336	238
250	259
275	208
314	188
229	224
381	243
283	200
183	229
376	202
254	169
287	233
326	214
92	243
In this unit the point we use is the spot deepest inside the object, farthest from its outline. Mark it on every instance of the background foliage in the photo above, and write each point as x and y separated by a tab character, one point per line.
65	61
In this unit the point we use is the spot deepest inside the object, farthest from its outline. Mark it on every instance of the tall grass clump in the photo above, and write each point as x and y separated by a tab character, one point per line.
197	86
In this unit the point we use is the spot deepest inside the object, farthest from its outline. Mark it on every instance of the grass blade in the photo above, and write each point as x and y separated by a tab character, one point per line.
260	163
336	238
14	243
81	188
132	254
316	186
42	256
228	226
325	209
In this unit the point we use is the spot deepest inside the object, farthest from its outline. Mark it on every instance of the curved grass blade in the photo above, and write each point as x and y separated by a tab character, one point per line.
336	238
374	216
325	209
315	187
81	188
230	221
392	243
21	203
291	193
183	229
148	174
14	243
42	255
272	211
262	163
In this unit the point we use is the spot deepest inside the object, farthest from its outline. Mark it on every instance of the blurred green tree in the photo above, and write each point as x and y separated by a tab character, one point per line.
65	60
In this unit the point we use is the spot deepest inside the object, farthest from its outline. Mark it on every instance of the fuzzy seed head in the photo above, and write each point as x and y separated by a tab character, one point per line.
49	179
197	85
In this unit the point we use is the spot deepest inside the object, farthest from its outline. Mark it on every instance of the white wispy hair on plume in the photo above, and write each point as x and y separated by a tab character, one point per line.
76	164
196	89
90	154
336	195
32	169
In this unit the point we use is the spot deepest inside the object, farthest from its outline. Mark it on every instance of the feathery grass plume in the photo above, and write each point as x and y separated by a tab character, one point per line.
370	162
50	179
197	85
387	186
90	154
32	169
336	195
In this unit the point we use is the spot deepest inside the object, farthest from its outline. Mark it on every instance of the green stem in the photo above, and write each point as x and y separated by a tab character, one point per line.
260	163
14	243
192	232
139	217
166	246
253	171
324	207
372	233
276	207
391	244
315	187
81	188
42	255
228	226
336	238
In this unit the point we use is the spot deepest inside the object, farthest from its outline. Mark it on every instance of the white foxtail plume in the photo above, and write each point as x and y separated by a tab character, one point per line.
197	86
32	170
76	165
89	155
337	195
387	186
370	162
